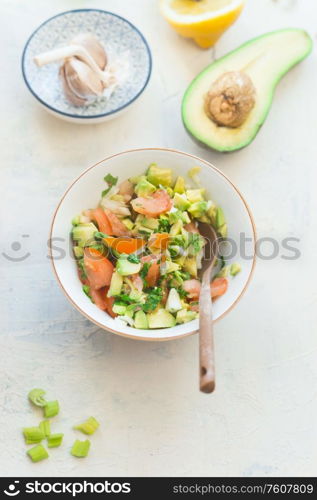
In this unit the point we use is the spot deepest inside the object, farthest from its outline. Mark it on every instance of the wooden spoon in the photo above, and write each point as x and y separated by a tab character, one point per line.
206	337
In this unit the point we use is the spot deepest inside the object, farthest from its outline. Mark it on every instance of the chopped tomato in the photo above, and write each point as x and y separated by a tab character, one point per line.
99	216
153	274
192	287
219	287
99	297
117	227
159	240
109	304
157	204
125	244
98	268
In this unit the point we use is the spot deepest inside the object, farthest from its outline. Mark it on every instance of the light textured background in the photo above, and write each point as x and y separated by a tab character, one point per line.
262	419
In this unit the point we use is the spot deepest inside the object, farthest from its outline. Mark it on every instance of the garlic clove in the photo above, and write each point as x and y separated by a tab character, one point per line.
81	79
74	99
93	47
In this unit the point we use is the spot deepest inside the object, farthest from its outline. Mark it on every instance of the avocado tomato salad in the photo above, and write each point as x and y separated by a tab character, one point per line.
139	252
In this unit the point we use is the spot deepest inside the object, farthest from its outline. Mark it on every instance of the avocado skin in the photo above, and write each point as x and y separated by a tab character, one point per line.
270	96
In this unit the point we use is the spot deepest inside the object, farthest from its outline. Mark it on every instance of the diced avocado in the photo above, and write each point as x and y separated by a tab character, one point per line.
180	260
135	295
179	185
150	222
193	174
235	269
84	233
176	228
157	175
119	309
125	268
161	319
169	267
190	265
194	195
178	215
143	229
198	208
220	218
184	316
115	285
141	321
144	188
223	231
80	219
137	179
211	212
78	252
128	223
170	192
173	303
224	272
180	201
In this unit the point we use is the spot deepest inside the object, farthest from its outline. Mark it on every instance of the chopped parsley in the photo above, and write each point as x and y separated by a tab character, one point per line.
164	226
153	299
133	258
110	181
145	270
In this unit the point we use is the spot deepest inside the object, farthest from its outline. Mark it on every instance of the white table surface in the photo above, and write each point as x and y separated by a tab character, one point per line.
262	418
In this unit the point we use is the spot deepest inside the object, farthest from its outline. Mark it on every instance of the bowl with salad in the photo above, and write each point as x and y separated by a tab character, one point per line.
126	247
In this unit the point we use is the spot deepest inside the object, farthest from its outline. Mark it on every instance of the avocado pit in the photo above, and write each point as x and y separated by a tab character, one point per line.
230	99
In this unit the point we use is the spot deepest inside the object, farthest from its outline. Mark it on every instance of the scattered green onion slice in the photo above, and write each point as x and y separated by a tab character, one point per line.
45	426
55	440
33	435
51	409
80	449
37	453
89	426
36	397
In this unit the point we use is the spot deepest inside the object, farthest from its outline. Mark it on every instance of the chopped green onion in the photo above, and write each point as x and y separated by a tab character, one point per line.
37	453
36	397
33	435
89	426
45	427
80	449
55	440
51	409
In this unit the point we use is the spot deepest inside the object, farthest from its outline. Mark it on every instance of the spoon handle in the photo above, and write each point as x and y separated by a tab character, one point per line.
206	337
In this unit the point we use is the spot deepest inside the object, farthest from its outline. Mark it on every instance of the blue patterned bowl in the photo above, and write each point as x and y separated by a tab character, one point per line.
121	40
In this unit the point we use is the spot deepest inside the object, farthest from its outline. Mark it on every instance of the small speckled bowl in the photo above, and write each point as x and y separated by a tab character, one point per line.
122	41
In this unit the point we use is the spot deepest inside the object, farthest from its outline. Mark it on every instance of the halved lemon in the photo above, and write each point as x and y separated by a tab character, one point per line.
203	20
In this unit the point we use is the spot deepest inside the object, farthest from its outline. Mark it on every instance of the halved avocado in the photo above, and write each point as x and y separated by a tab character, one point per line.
264	60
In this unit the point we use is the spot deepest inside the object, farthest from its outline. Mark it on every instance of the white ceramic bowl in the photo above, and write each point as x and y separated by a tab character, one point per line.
84	193
122	42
